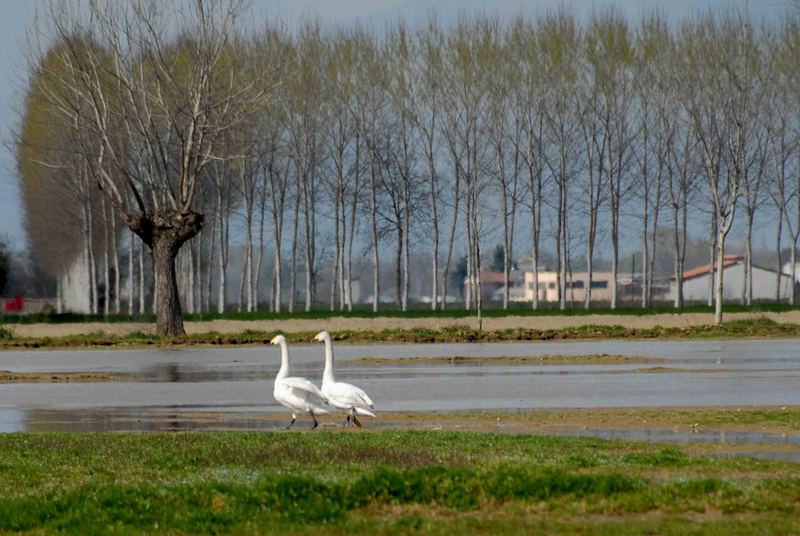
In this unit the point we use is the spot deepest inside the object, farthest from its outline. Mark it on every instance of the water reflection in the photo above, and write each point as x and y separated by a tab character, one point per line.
162	420
178	419
12	420
156	389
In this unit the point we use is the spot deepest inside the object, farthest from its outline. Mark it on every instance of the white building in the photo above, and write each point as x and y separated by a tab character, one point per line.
696	282
787	269
577	283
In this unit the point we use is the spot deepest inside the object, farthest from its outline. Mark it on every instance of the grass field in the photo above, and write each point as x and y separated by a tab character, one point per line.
417	311
757	328
387	482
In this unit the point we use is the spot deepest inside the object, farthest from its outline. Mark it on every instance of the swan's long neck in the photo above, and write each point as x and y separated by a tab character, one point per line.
284	371
327	375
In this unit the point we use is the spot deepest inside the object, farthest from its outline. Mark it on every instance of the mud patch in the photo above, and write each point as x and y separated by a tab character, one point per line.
45	377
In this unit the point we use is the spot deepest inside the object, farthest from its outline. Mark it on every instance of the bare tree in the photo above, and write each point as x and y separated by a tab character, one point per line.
560	39
124	88
719	99
783	143
424	106
504	131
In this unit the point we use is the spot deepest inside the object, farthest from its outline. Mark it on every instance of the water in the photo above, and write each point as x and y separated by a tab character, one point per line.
231	388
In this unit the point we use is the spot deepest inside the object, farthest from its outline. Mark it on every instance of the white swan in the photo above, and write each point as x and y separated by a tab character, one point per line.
297	394
353	400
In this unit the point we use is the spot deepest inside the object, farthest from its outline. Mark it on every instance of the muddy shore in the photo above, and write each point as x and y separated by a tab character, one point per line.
378	324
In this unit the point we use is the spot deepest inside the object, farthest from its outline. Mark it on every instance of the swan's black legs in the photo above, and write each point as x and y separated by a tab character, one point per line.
315	421
356	422
291	423
347	423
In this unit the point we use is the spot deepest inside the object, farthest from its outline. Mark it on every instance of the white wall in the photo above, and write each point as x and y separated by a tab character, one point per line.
696	288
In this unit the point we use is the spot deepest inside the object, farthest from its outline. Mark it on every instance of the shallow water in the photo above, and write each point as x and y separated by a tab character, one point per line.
237	382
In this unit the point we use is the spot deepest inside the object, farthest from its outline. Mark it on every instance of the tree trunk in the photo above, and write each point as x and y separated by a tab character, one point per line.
399	263
535	227
250	276
223	255
451	241
115	259
506	245
353	207
106	260
654	248
277	275
435	222
165	233
779	264
142	305
682	257
130	275
337	246
645	244
614	251
793	263
309	231
747	295
92	266
197	287
711	251
406	251
260	256
293	267
190	277
209	264
718	283
373	215
562	235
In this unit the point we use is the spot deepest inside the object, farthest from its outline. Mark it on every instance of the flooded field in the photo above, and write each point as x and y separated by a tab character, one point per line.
231	388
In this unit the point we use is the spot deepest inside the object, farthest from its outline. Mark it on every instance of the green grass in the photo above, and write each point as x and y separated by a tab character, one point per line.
383	482
417	311
761	328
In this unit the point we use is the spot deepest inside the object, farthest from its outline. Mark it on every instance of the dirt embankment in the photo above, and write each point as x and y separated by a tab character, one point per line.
378	324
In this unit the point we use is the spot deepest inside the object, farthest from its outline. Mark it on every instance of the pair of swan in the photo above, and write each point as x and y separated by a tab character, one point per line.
299	395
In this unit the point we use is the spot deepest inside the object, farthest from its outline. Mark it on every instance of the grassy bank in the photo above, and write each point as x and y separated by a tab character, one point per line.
417	311
758	328
384	482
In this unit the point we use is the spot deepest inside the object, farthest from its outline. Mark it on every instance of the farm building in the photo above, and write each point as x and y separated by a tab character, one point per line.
576	286
697	280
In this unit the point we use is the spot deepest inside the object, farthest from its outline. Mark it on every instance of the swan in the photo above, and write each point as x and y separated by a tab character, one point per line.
296	394
353	400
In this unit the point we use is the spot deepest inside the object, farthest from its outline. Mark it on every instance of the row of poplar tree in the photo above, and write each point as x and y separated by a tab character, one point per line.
552	135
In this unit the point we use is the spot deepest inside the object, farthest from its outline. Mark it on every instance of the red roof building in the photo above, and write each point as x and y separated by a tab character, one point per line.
697	271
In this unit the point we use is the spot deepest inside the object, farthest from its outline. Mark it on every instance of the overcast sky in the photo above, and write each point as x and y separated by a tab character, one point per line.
17	13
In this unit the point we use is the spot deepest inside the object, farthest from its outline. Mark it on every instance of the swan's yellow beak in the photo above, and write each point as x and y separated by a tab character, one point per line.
317	337
274	340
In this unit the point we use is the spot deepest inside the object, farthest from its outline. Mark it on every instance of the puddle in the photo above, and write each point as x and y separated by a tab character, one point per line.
239	380
255	419
162	420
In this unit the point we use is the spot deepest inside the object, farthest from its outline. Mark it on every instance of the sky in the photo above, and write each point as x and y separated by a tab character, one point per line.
16	15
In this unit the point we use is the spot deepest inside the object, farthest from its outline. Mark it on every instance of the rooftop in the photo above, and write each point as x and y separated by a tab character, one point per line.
728	261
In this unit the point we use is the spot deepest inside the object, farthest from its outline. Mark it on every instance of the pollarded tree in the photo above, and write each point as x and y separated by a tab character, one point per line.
153	87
